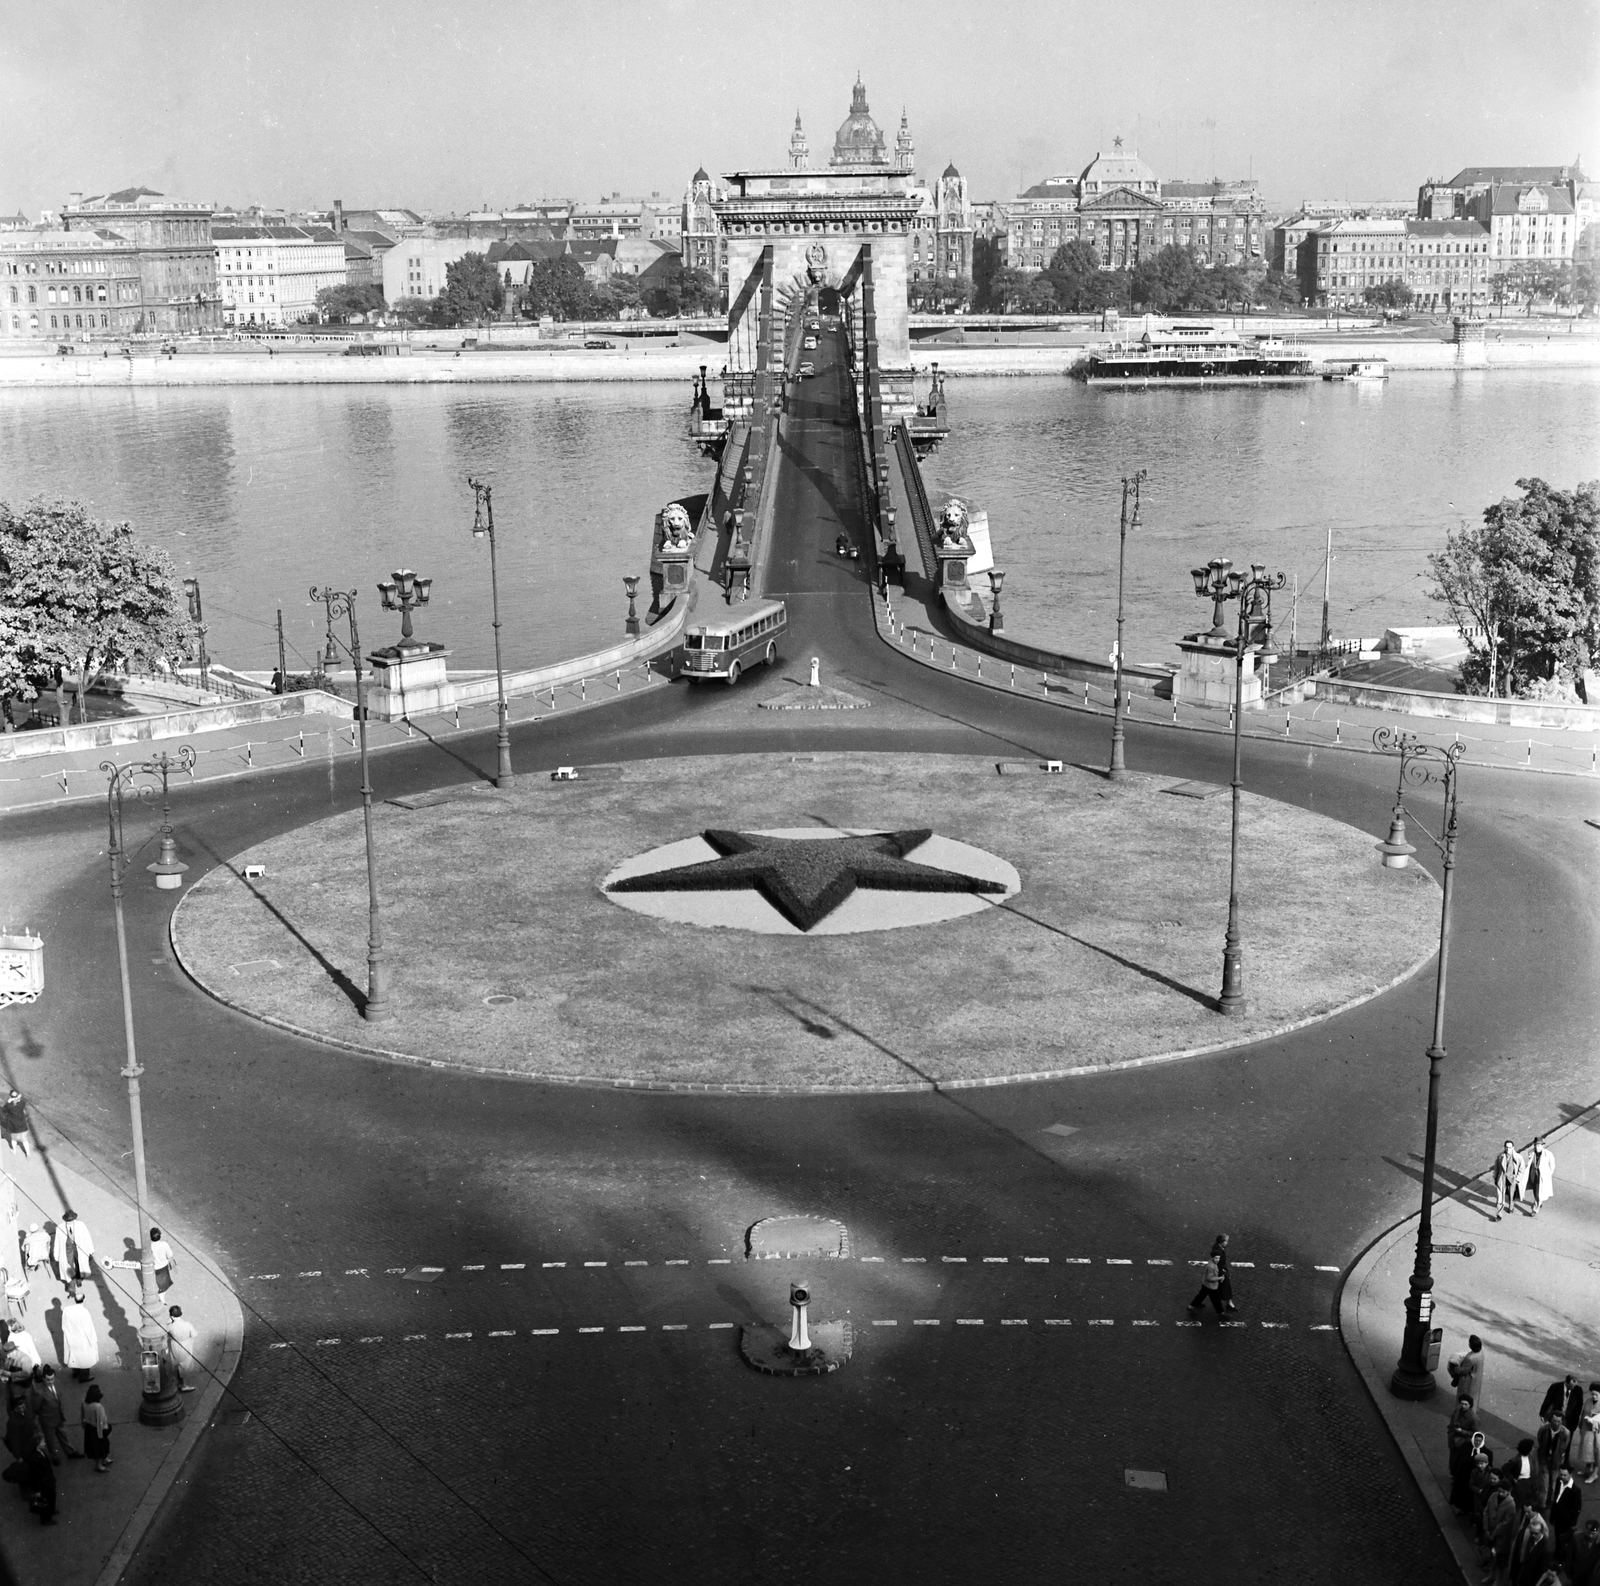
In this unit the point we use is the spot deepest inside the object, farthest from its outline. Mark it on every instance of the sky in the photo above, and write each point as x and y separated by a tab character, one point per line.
449	106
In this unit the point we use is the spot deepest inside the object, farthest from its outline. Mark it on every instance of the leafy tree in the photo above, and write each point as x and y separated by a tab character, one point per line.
1165	282
412	310
986	262
472	291
1074	271
77	595
1276	288
559	288
1528	579
1389	294
701	293
340	302
1585	289
1039	297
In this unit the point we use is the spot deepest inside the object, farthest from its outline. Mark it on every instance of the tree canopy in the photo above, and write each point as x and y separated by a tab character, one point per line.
77	595
1524	587
1389	294
341	302
472	291
559	288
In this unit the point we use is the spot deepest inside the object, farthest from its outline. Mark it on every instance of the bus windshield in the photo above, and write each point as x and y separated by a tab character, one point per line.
702	641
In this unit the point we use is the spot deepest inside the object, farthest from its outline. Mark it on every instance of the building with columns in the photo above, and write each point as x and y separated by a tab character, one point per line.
58	285
177	263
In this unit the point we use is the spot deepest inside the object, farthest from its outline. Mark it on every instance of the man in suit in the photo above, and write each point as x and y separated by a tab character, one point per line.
1566	1399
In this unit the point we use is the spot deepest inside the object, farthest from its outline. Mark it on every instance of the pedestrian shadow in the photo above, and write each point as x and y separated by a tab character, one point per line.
438	743
1549	1347
123	1330
53	1325
1589	1112
1467	1189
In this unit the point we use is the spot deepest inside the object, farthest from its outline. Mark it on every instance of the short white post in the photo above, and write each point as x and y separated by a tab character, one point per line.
799	1303
815	680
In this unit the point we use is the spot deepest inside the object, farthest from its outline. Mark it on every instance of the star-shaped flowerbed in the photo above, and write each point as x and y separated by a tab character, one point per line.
806	878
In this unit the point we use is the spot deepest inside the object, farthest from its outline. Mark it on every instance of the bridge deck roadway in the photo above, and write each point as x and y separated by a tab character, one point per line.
946	1453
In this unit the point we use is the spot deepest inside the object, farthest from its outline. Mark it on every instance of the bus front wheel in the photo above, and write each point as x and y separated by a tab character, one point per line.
772	652
733	674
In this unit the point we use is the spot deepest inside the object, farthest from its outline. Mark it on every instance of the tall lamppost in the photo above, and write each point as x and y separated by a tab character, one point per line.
191	588
342	603
1219	581
159	1404
1118	762
1420	764
483	526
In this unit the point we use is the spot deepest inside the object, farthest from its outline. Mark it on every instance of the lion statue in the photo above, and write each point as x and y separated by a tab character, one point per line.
676	530
953	522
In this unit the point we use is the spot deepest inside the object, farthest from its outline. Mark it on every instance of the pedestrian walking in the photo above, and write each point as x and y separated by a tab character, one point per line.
73	1250
1508	1175
1584	1454
1219	1254
180	1346
1210	1288
1482	1482
15	1124
1566	1505
165	1263
80	1341
1585	1553
40	1477
96	1428
1521	1474
1532	1549
1499	1529
1551	1445
1462	1439
1541	1175
45	1399
35	1248
1466	1372
22	1354
1566	1399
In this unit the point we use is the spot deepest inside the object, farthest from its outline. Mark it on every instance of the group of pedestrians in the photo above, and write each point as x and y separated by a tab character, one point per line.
36	1421
1527	1509
1216	1282
1525	1180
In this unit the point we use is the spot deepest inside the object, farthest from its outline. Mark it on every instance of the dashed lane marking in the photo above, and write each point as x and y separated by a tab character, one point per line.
1044	1260
630	1329
1077	1261
1058	1321
1274	1324
512	1266
636	1263
330	1340
1101	1321
956	1259
969	1321
1238	1263
478	1267
1277	1266
674	1327
413	1338
1013	1321
375	1340
553	1263
1143	1323
277	1346
989	1260
544	1332
872	1258
915	1260
591	1329
886	1324
1118	1261
504	1332
1155	1261
311	1274
925	1321
594	1263
718	1326
681	1262
720	1261
1327	1269
458	1335
1323	1327
264	1277
356	1272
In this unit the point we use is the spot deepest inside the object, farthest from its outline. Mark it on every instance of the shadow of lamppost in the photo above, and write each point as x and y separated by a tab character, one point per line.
1420	765
159	1403
342	603
1219	581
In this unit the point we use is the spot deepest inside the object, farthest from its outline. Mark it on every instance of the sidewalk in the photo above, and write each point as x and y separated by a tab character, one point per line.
237	751
1531	1293
906	622
102	1517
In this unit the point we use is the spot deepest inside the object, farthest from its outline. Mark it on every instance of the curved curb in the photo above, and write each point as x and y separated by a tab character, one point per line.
682	1087
1375	1376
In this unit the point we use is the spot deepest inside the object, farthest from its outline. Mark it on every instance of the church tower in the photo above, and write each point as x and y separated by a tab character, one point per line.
905	152
799	150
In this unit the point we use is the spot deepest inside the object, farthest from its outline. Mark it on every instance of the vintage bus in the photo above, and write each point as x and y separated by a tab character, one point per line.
734	639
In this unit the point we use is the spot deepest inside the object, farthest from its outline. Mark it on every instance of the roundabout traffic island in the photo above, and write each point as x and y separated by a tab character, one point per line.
779	924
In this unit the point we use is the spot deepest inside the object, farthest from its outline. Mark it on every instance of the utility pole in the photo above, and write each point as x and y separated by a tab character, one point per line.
1294	622
283	668
1327	578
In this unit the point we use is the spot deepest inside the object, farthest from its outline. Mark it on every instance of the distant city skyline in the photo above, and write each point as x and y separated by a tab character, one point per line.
452	108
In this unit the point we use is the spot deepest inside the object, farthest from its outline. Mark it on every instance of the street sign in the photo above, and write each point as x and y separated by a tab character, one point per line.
1453	1250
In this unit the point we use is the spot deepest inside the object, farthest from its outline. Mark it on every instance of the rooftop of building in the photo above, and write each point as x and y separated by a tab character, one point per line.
58	238
1053	187
135	198
1215	188
1508	199
517	250
1465	226
1120	168
266	233
1527	175
859	140
1365	225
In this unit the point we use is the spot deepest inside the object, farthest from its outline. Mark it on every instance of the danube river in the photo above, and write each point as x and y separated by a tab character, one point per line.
261	492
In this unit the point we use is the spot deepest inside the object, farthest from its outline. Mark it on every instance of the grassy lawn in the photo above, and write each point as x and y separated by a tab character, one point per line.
1111	951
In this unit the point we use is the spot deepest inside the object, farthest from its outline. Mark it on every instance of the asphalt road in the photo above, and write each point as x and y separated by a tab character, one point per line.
979	1448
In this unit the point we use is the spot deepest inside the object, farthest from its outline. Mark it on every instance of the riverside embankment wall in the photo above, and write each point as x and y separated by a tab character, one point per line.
526	366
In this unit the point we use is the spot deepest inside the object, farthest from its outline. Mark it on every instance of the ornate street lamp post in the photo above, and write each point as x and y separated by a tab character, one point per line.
191	588
1218	581
403	591
1420	764
160	1404
342	603
483	526
1118	763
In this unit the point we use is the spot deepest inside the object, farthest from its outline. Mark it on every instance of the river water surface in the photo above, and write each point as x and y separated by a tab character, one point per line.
261	492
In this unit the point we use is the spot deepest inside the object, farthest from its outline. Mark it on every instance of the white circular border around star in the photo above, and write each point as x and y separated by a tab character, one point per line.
866	909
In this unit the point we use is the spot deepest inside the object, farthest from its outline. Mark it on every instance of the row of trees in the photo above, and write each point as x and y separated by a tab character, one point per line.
1174	281
79	595
474	292
1524	588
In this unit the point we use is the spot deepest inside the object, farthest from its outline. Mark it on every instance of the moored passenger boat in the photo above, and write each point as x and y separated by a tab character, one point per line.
1195	354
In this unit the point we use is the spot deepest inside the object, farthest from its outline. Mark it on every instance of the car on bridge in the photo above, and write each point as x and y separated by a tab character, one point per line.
807	369
723	646
809	344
